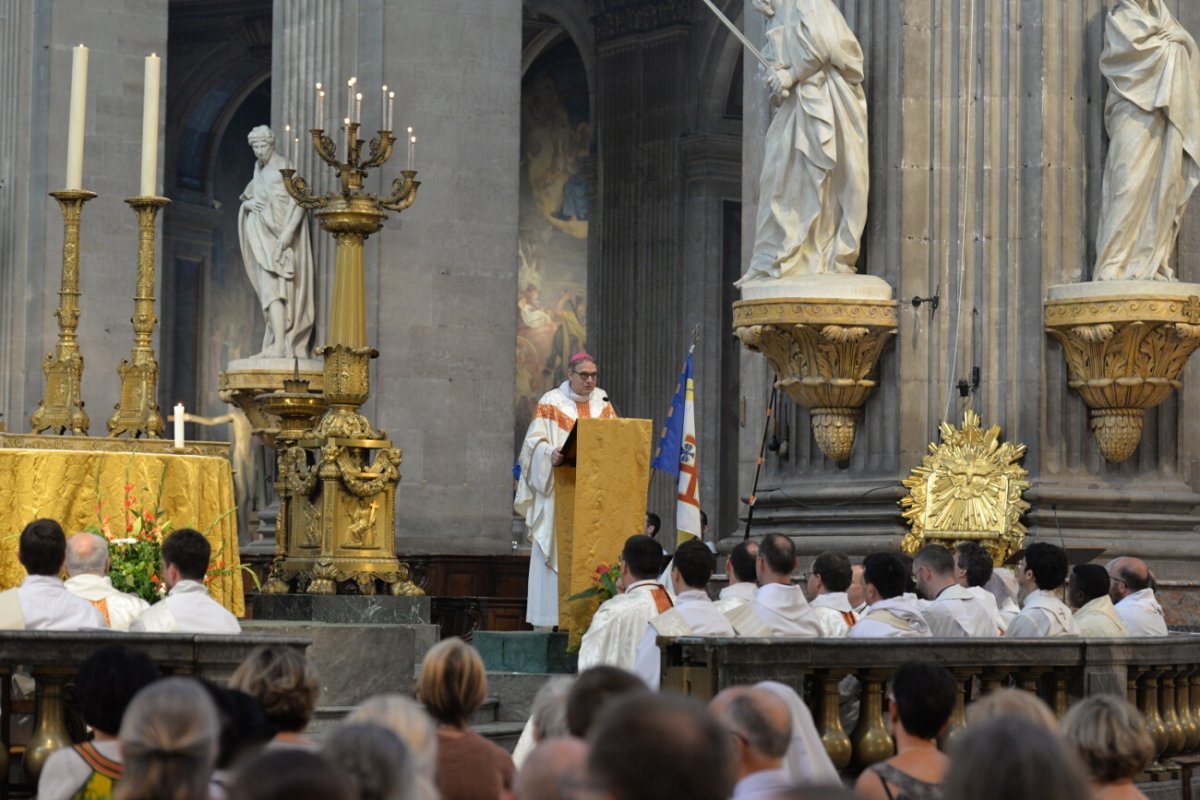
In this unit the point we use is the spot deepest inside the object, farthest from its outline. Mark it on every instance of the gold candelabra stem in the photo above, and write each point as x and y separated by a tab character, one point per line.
137	412
61	408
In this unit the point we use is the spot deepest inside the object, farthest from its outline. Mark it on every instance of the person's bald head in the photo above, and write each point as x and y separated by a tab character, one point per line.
1126	576
545	768
761	726
87	554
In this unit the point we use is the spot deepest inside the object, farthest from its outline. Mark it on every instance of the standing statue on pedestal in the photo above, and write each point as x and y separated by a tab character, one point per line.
812	203
1153	119
273	232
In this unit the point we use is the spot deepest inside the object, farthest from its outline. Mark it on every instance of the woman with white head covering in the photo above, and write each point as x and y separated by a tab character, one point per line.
806	760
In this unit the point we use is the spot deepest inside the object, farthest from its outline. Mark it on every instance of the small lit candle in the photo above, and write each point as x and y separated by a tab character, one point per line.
287	141
383	110
412	147
358	107
295	150
79	67
150	125
320	107
350	97
391	106
178	426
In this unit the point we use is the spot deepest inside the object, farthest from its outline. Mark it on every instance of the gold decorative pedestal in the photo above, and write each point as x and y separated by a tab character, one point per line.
823	353
246	386
61	408
1126	343
969	488
337	478
137	412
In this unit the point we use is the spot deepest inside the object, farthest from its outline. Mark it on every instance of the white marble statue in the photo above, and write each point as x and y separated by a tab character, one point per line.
812	202
273	232
1153	118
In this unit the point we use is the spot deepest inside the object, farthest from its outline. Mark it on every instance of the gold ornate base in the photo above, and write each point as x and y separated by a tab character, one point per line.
1124	356
242	387
823	353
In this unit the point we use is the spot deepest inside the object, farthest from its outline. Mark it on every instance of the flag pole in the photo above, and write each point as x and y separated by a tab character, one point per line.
758	466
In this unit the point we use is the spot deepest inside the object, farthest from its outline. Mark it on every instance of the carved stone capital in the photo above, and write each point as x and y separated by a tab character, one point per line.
823	353
1124	355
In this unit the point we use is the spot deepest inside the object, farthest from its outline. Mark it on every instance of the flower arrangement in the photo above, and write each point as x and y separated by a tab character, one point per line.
136	557
604	583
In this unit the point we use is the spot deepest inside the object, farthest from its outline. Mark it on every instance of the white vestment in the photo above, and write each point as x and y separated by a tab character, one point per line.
619	625
1043	615
735	595
762	785
1142	614
553	419
1152	114
66	771
895	616
956	612
777	610
187	608
1098	617
118	608
44	604
806	760
834	612
694	614
988	600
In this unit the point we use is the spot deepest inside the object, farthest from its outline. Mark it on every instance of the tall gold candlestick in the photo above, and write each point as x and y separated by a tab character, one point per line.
61	408
137	412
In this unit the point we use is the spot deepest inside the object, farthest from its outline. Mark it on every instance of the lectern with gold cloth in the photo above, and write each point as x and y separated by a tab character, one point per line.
599	502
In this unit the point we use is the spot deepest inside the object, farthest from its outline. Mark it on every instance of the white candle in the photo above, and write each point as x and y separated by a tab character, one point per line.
358	107
391	106
350	97
150	126
383	122
179	426
79	66
287	143
412	149
320	107
295	151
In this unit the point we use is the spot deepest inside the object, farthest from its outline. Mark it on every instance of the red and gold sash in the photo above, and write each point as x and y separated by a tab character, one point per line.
662	600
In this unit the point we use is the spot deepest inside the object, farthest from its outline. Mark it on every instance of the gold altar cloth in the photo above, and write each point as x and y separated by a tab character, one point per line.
61	484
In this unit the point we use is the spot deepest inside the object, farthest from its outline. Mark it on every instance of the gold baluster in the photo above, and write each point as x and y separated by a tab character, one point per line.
958	718
836	742
1148	703
992	680
50	733
1176	735
1059	680
872	742
1183	706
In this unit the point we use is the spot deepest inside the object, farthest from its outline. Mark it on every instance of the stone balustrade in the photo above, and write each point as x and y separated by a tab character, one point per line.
1160	675
53	659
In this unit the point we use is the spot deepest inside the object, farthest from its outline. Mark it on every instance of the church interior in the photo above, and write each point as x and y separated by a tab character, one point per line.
515	182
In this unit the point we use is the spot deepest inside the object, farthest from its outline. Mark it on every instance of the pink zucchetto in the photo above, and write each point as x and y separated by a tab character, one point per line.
575	359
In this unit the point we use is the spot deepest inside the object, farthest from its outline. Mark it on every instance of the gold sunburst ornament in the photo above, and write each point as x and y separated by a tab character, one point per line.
969	488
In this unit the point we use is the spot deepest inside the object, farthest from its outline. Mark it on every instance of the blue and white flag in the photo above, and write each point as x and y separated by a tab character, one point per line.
678	454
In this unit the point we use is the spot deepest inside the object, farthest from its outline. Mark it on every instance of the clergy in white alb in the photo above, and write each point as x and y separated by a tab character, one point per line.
187	608
1087	593
779	607
742	574
693	614
889	613
41	602
577	398
825	586
1133	596
951	610
87	569
1042	613
973	569
620	622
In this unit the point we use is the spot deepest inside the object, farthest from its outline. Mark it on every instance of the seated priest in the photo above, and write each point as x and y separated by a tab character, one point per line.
973	568
41	602
1087	593
1044	569
952	611
779	607
694	613
889	613
742	574
87	568
1133	595
825	585
187	608
620	622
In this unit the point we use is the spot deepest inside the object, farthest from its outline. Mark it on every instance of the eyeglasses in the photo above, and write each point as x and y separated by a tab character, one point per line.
1115	579
587	376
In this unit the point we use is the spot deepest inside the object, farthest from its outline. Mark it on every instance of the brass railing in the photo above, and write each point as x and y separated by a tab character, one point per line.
53	660
1160	675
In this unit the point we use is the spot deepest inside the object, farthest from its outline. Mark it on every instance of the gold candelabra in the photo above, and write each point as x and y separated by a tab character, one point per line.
338	506
137	412
61	408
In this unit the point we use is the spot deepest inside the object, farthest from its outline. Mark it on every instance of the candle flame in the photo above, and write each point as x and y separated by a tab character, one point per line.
391	95
321	93
358	96
352	81
385	87
318	86
410	129
413	139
